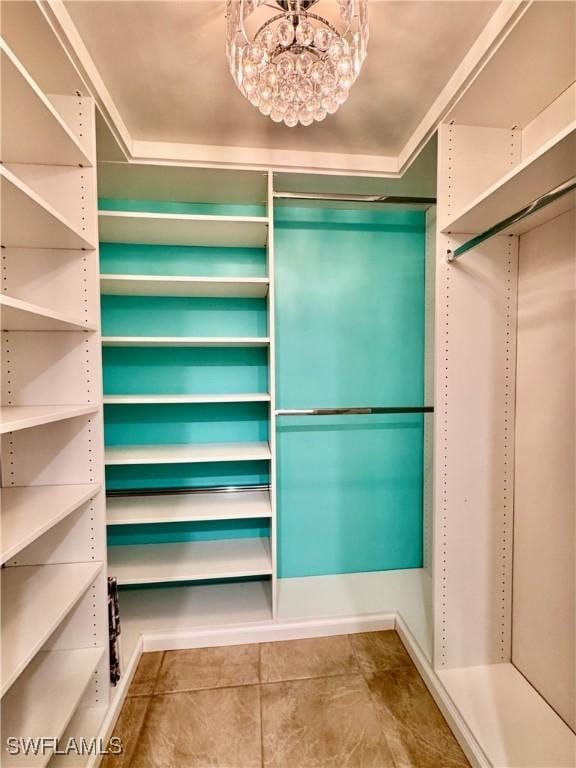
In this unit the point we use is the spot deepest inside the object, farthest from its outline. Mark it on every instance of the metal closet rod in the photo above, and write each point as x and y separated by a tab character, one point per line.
353	411
537	205
388	199
174	491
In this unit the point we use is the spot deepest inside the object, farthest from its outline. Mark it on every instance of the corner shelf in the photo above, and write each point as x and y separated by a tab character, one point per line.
258	397
185	341
18	315
36	599
188	507
29	512
182	229
552	165
55	682
144	285
31	222
186	453
190	561
16	417
35	130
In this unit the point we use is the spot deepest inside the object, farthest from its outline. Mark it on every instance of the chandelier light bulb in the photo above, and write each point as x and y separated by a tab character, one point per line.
291	61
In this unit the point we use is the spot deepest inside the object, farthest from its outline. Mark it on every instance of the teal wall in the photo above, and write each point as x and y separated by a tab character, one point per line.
349	331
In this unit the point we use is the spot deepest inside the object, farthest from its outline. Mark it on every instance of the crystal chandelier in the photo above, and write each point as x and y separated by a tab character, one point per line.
296	64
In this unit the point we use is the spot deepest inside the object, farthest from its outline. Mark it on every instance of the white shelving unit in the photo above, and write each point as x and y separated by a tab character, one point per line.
52	518
36	130
548	167
29	221
227	559
190	561
145	285
257	397
18	315
55	682
16	417
183	229
188	507
186	453
185	341
29	512
40	597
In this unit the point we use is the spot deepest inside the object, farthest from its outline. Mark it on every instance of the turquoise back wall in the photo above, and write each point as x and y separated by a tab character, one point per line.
349	332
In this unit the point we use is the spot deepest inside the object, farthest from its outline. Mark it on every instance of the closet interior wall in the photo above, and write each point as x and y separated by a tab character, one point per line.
54	623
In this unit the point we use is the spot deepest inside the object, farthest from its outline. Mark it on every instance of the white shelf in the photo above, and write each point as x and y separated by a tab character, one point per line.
36	598
190	561
34	131
174	609
18	315
553	164
28	221
185	341
29	512
193	507
15	417
145	285
257	397
512	723
85	724
182	229
43	700
185	453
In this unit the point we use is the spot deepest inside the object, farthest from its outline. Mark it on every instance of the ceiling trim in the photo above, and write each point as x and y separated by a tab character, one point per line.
492	36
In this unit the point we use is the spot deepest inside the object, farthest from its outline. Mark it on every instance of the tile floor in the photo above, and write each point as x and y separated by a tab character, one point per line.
352	701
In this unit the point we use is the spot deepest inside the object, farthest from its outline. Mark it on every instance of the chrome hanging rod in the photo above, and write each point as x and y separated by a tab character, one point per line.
537	205
175	491
385	199
353	411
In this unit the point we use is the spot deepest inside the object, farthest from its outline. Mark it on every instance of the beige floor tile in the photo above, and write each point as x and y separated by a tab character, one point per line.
379	651
146	674
414	725
300	659
202	729
127	728
324	722
200	668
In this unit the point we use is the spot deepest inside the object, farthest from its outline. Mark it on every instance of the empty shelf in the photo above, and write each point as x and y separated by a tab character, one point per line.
14	417
185	341
258	397
18	315
541	172
512	723
146	285
133	510
182	229
190	561
175	609
29	512
36	598
185	453
35	132
85	724
28	221
55	683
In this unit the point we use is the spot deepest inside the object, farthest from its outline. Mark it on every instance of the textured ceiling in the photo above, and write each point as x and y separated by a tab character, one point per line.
165	66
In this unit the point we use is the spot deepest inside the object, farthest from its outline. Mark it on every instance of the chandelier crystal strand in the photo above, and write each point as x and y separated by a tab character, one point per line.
297	66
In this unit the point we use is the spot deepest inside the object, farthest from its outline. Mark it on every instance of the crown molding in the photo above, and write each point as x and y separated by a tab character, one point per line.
492	36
